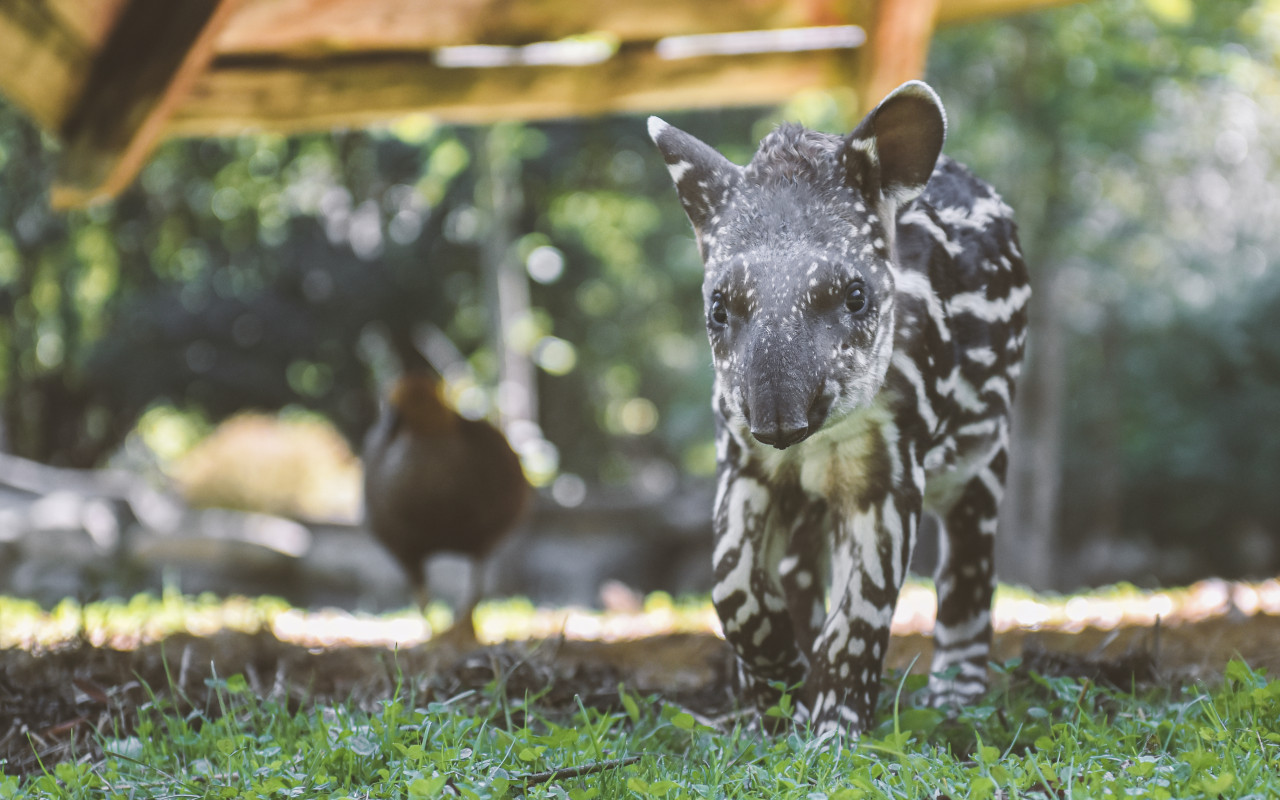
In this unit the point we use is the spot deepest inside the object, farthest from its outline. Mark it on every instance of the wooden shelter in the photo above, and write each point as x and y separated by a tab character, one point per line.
112	78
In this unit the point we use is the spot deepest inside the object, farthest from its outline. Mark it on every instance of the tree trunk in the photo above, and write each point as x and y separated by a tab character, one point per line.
507	286
1105	513
1026	548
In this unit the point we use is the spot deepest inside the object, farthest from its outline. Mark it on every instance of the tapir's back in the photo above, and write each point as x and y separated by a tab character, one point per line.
964	217
960	234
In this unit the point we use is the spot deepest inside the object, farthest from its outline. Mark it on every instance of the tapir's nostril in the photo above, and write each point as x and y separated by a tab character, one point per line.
780	436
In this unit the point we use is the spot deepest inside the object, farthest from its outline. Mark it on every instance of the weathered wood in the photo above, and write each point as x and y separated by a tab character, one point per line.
42	61
897	46
91	22
107	74
951	12
154	54
318	27
308	95
306	64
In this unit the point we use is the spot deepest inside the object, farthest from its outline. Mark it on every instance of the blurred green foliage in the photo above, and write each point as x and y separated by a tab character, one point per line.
1137	142
1136	139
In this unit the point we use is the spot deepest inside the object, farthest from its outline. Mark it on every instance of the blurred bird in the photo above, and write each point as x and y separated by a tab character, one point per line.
436	482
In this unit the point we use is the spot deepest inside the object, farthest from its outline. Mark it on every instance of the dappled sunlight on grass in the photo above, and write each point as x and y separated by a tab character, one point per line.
1125	605
336	628
496	621
121	624
1110	607
659	615
126	624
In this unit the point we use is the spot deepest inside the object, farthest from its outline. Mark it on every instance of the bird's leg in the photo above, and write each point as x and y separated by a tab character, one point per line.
465	620
419	591
462	634
415	573
421	596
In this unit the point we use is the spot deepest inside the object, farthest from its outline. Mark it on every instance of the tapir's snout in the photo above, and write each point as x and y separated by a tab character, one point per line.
785	403
781	434
782	431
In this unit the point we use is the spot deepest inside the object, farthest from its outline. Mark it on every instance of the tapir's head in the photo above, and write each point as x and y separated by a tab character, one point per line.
798	246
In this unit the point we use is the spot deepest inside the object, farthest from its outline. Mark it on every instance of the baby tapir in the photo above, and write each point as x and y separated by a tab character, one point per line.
866	300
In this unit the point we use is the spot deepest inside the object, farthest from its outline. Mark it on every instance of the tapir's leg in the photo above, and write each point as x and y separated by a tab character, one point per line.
872	548
750	541
965	579
806	566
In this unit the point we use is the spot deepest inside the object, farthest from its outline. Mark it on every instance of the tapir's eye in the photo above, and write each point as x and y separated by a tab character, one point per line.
719	314
855	298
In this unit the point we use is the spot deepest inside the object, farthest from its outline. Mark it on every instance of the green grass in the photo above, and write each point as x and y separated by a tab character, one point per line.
1030	737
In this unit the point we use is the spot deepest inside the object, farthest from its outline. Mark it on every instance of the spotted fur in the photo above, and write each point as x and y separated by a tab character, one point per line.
865	300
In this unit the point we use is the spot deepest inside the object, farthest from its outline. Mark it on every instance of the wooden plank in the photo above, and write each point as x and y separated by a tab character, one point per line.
308	95
91	22
951	12
42	61
152	57
280	70
897	47
316	27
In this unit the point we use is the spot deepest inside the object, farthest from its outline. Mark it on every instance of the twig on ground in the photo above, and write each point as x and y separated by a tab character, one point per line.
579	771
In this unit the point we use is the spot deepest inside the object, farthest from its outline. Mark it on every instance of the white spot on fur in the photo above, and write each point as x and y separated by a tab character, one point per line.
678	171
977	304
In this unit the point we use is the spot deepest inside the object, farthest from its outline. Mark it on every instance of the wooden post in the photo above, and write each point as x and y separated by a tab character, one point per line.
153	56
897	47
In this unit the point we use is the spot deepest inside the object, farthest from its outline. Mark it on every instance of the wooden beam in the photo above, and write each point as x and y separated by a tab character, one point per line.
108	75
91	22
951	12
897	47
294	96
152	57
328	26
319	27
42	60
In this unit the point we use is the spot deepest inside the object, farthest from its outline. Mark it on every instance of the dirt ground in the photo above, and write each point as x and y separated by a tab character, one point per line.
54	702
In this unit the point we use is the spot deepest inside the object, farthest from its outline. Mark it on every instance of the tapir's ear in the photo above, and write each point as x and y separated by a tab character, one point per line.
899	142
702	176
